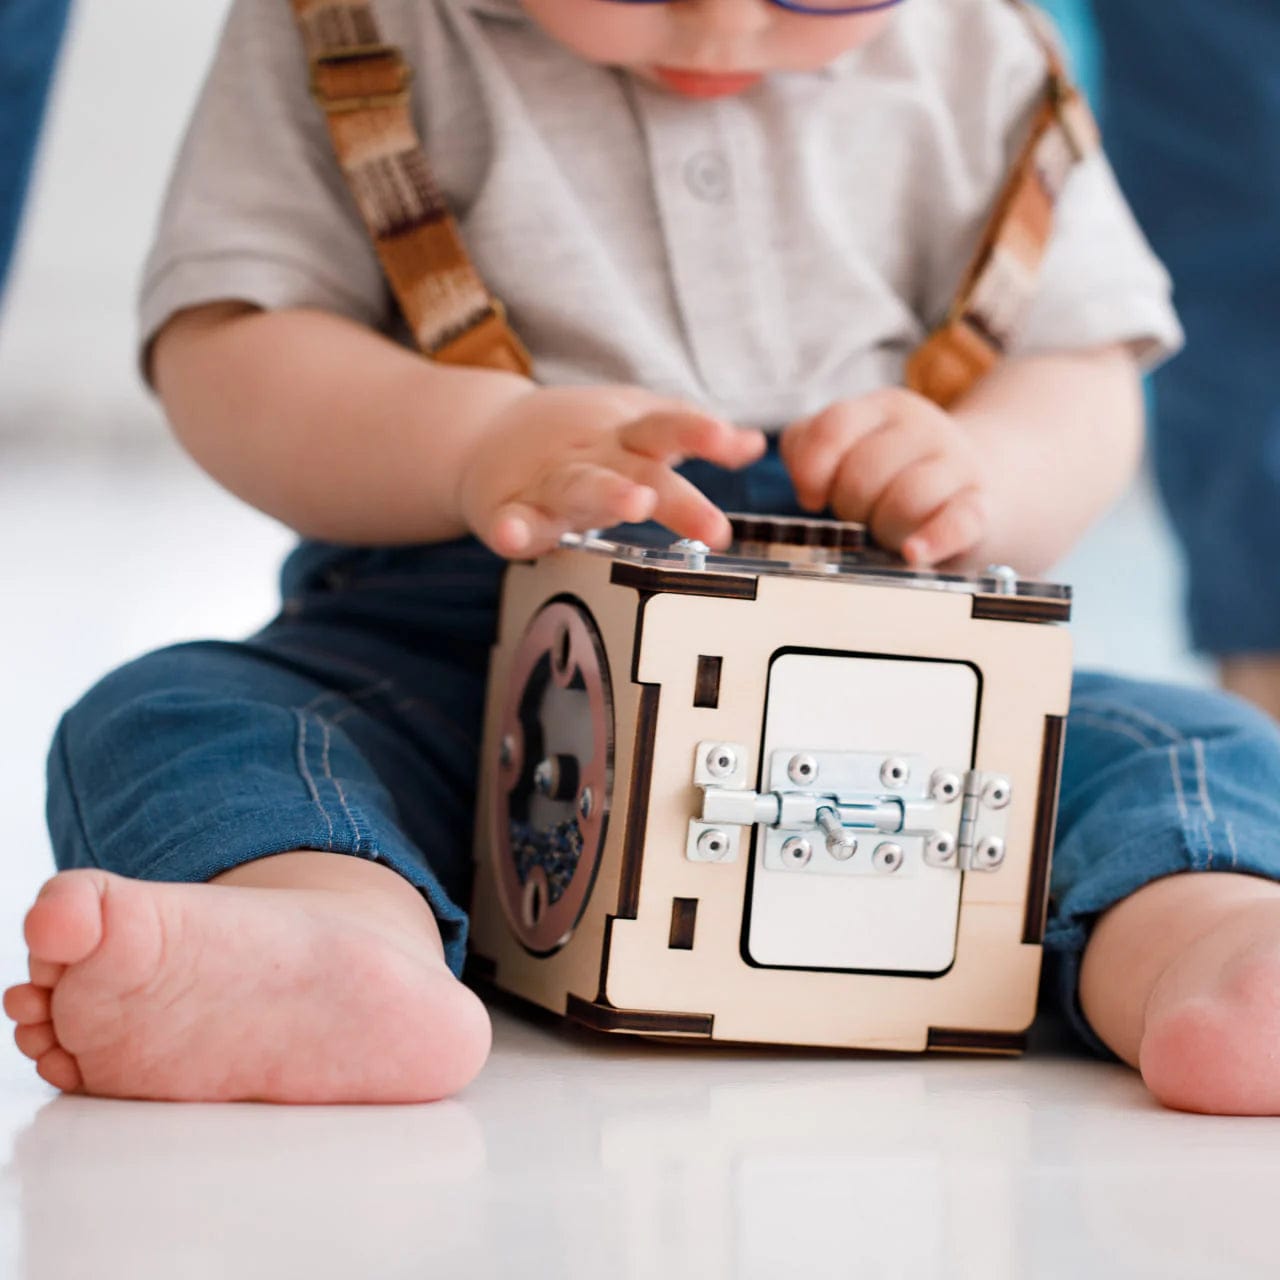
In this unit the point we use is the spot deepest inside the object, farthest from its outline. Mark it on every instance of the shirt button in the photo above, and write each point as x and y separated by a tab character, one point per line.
706	174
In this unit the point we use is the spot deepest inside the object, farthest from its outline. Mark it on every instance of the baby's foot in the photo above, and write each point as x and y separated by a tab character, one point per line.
1211	1036
218	993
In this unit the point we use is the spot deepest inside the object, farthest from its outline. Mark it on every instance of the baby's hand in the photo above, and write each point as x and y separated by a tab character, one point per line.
895	462
577	458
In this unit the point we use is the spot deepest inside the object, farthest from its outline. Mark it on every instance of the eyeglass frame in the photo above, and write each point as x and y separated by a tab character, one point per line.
794	6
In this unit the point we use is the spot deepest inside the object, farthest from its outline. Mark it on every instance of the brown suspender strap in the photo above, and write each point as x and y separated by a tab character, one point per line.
362	85
1001	279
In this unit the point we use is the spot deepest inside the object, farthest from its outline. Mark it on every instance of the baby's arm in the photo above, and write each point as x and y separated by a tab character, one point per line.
346	436
1013	474
1061	437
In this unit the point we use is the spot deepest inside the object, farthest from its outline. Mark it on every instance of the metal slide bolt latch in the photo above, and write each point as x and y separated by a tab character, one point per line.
929	816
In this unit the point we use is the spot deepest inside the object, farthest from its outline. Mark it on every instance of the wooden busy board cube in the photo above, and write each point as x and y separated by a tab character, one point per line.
795	794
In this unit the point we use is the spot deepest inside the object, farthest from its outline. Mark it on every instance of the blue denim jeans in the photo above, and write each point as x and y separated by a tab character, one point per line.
30	34
352	723
1191	99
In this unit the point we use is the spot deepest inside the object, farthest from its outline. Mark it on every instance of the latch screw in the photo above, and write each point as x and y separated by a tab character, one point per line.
887	857
802	769
997	793
894	772
713	844
585	802
990	852
939	848
944	786
796	852
722	760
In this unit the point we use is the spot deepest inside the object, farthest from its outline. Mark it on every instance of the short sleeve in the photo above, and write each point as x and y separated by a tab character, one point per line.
1100	282
257	210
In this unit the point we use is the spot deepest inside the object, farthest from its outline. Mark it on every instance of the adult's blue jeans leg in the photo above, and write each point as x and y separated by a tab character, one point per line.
1192	94
30	35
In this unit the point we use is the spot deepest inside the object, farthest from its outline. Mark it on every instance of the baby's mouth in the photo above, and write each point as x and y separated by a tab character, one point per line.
705	84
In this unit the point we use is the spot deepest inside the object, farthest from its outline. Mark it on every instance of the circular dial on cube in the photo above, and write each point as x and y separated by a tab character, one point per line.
551	803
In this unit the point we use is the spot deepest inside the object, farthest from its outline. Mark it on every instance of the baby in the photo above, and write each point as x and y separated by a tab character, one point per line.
720	227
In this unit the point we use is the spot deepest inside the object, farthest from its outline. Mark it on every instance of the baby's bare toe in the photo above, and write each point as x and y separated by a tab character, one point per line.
44	973
35	1039
58	1068
27	1003
64	924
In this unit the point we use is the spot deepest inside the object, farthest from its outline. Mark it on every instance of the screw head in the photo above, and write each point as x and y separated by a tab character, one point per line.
1006	578
944	785
895	772
713	844
721	761
997	793
796	851
544	777
887	857
990	852
802	769
940	848
694	552
507	751
586	802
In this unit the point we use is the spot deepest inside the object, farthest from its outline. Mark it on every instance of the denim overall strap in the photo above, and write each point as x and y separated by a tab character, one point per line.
362	86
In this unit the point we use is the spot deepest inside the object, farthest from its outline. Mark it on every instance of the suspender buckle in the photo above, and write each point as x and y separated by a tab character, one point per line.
360	77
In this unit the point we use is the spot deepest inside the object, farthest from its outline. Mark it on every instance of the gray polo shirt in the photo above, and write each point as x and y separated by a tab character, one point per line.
762	255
